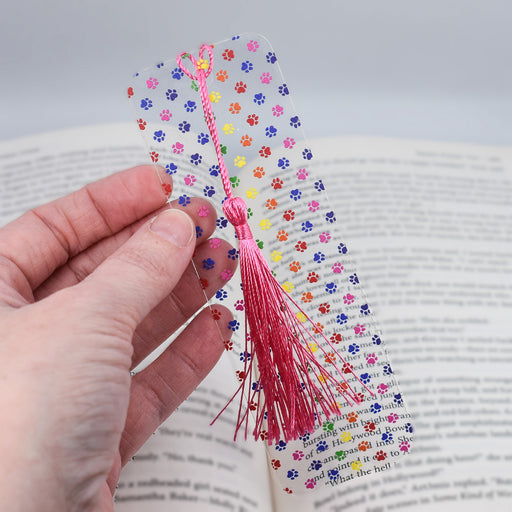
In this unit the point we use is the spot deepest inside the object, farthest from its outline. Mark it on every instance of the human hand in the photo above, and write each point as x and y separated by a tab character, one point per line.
89	286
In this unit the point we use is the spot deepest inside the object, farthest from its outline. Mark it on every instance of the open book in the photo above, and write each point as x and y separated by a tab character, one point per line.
429	227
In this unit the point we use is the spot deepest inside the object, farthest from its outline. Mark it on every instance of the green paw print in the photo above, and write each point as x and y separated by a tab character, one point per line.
260	244
235	181
340	455
194	86
328	426
250	213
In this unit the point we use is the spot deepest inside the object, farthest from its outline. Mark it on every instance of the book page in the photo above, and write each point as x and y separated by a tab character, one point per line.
429	226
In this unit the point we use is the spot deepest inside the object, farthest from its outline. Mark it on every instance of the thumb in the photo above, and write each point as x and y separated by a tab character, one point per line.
141	273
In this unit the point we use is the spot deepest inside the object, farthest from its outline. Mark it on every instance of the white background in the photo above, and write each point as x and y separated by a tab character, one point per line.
436	69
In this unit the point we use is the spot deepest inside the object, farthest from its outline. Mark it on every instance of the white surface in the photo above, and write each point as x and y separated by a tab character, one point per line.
437	69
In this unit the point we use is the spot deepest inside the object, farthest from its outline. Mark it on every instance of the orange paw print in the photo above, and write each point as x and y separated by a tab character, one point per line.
363	446
222	75
235	108
307	297
282	235
352	417
258	172
271	204
330	358
295	266
318	329
246	141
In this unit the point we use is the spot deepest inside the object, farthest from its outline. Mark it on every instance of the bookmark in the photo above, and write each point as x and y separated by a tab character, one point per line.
314	381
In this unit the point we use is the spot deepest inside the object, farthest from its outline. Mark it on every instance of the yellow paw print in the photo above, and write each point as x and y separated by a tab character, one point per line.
215	97
251	193
313	346
301	317
240	162
346	437
276	256
288	286
356	465
202	64
228	129
265	224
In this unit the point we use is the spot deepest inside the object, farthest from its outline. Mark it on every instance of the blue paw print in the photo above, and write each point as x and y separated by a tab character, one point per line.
331	288
171	168
171	94
307	226
376	340
221	222
177	74
184	127
203	139
295	122
365	309
221	294
184	200
233	325
259	98
199	232
354	279
160	65
247	66
333	474
329	217
196	159
315	465
256	386
342	248
307	154
322	446
283	90
245	356
375	408
398	399
319	257
214	170
305	437
271	131
365	378
387	369
271	57
409	428
387	437
233	254
295	194
208	264
342	318
353	348
319	186
292	474
283	163
146	103
159	136
209	191
190	106
281	446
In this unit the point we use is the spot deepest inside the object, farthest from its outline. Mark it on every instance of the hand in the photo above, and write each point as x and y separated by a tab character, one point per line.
89	286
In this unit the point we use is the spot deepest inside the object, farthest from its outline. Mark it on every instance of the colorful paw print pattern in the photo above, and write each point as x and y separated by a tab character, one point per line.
271	167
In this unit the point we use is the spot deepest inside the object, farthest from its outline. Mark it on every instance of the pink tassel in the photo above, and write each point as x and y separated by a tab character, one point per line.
294	389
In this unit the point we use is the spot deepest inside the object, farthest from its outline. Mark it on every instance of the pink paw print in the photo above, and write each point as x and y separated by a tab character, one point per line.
302	174
226	274
298	455
289	142
359	329
190	179
313	206
371	358
203	211
382	388
215	243
337	268
239	305
266	78
404	446
151	83
393	417
348	299
277	111
165	115
310	483
252	46
324	237
177	148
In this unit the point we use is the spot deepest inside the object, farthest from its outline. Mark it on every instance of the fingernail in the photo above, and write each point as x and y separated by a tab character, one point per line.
175	226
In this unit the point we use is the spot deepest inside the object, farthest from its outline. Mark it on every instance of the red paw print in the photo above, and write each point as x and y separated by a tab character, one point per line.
348	368
324	308
228	345
276	464
313	277
263	435
336	338
203	283
289	215
369	426
240	87
363	446
278	183
130	92
216	314
252	119
381	455
253	406
154	156
167	188
265	152
301	246
228	55
240	375
142	124
352	417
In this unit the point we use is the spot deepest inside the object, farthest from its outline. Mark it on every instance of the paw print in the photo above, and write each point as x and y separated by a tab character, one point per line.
208	264
340	455
277	111
345	437
380	455
235	108
307	297
233	254
363	446
387	369
228	345
295	194
319	186
306	226
190	106
375	408
276	464
393	417
328	426
203	139
130	92
276	256
184	200
240	375
154	156
353	348
283	163
337	268
292	474
270	131
240	87
298	455
283	90
398	399
222	75
336	338
307	154
252	46
369	426
301	246
354	279
315	465
348	298
280	446
265	78
258	172
142	124
313	206
177	148
151	83
322	446
356	465
244	356
246	141
159	136
216	314
352	417
228	129
209	191
240	161
319	257
177	74
196	159
271	57
302	174
289	142
359	329
184	127
239	305
309	483
324	237
171	168
215	243
295	266
409	428
252	119
167	188
282	235
247	66
228	55
295	122
259	98
330	218
265	224
387	437
165	115
199	232
313	277
146	103
342	318
330	358
251	193
276	184
288	286
333	474
265	152
235	181
331	288
376	340
171	94
371	358
404	446
365	309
